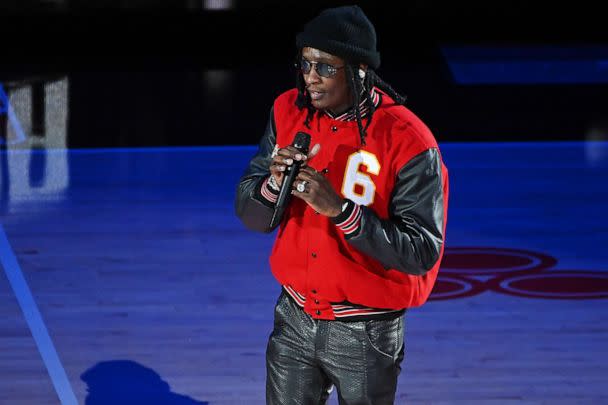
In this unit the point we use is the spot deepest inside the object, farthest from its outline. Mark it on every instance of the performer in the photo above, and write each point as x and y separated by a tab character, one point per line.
362	238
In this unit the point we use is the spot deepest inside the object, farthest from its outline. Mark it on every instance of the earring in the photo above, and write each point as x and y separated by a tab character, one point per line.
361	74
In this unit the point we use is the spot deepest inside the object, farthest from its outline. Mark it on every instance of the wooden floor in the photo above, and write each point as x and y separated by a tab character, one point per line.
149	286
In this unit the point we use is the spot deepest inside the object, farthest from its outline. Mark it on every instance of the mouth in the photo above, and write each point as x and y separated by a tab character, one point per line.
316	95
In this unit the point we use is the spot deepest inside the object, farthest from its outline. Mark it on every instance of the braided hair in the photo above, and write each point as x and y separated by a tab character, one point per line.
359	89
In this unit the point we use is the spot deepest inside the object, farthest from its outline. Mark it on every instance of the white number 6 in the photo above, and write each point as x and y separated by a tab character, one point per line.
365	193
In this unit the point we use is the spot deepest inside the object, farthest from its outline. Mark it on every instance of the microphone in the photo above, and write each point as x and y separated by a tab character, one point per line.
301	142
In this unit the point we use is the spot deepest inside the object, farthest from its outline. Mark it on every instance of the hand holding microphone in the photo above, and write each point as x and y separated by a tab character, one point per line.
292	175
291	159
284	169
285	157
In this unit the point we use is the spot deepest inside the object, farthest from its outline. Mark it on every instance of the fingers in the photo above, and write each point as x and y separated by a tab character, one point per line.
313	181
277	168
291	152
314	151
310	171
308	174
311	154
283	158
306	193
288	154
314	185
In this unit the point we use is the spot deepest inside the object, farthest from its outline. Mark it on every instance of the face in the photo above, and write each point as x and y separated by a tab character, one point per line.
331	93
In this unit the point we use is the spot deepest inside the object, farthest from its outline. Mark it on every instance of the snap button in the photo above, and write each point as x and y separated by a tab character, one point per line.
318	312
316	301
314	254
334	129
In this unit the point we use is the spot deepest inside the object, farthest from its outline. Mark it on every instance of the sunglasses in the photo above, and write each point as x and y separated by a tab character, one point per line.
323	69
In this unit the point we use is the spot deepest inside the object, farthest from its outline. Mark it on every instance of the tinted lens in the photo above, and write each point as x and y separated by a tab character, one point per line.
325	70
305	66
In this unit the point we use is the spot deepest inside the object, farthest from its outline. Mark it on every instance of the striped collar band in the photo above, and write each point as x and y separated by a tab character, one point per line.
350	115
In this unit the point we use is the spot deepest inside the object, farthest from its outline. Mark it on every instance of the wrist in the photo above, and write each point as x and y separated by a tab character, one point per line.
274	185
349	220
340	210
268	192
337	210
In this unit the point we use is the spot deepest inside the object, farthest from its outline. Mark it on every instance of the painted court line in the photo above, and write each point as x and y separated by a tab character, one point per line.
35	323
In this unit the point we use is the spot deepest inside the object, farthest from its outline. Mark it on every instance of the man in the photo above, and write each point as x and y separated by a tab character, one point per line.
363	235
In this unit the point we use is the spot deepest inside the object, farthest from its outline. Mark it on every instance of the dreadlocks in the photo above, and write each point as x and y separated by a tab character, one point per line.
359	89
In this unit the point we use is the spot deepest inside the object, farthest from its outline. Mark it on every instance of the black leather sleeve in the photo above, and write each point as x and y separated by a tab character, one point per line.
254	210
410	240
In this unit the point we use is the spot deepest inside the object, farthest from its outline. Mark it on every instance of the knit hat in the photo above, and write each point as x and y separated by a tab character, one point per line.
342	31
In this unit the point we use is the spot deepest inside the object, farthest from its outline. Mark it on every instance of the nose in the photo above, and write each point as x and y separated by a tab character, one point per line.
312	76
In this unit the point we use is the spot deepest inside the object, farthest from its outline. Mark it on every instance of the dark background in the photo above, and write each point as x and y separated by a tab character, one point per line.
154	73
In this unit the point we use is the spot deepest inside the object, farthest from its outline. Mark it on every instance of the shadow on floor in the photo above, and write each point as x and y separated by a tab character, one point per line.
125	382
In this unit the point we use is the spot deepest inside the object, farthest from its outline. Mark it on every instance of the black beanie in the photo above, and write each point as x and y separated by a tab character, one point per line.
345	32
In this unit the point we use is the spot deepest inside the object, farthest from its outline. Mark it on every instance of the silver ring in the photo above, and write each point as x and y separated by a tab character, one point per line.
301	187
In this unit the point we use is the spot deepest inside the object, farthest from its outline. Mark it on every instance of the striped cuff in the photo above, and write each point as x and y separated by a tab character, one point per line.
268	192
349	221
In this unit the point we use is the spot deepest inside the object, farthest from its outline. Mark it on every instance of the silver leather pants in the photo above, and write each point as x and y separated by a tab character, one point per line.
306	357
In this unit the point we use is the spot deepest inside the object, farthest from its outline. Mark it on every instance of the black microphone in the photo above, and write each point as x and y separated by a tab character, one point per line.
301	142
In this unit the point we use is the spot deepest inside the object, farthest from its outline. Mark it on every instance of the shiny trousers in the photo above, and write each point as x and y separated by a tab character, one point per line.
306	358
